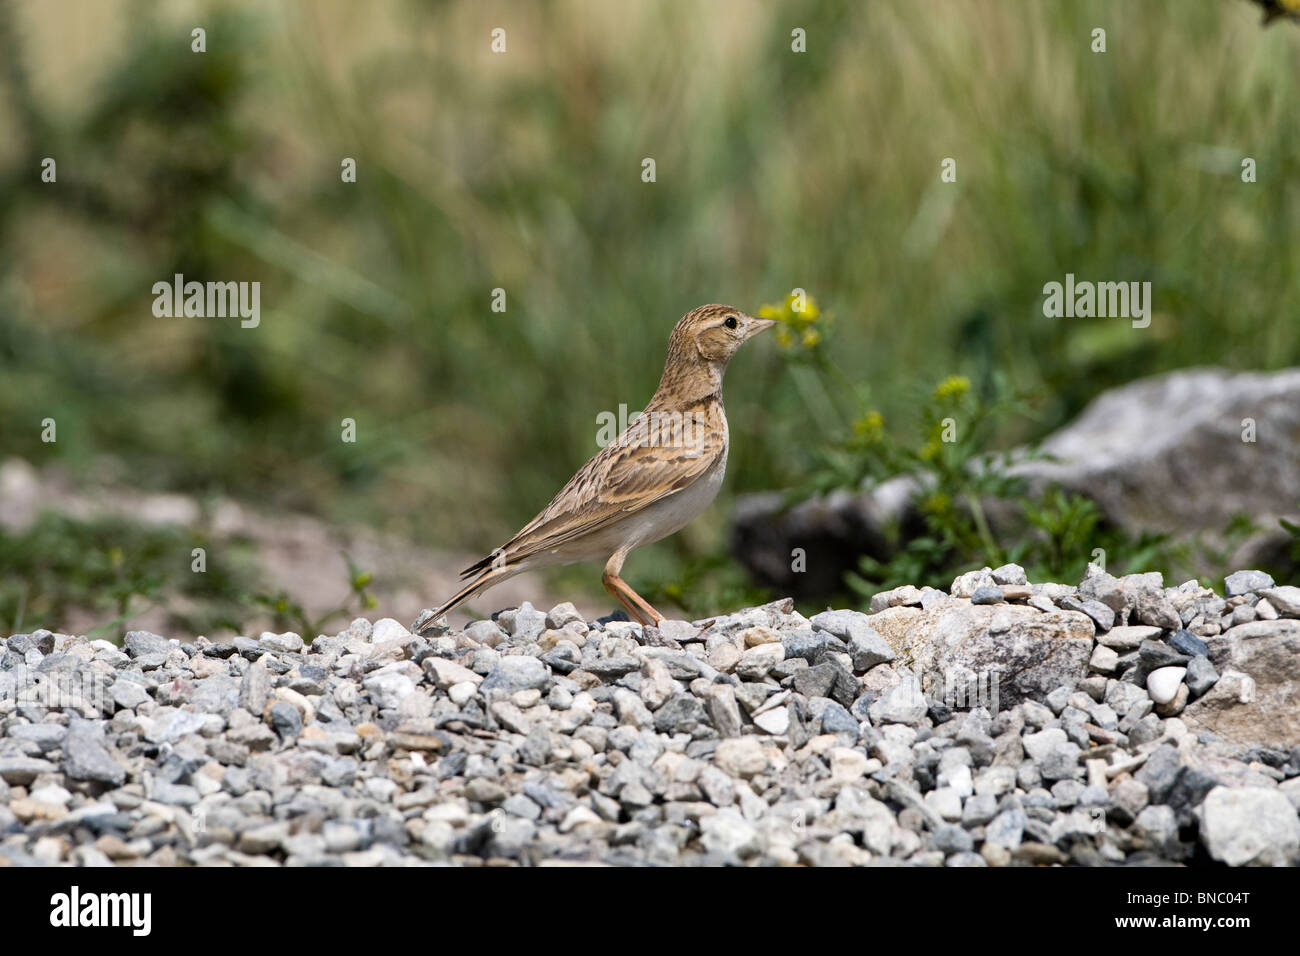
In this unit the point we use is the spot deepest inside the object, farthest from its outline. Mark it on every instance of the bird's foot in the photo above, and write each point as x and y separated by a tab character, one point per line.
636	605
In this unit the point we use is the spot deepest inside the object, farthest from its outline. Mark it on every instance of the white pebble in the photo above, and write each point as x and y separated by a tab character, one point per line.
1162	683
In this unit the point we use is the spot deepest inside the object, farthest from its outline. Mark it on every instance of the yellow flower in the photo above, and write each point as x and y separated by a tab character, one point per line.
929	450
954	386
870	427
796	320
936	503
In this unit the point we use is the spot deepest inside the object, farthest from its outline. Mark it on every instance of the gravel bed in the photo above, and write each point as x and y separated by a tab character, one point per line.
996	724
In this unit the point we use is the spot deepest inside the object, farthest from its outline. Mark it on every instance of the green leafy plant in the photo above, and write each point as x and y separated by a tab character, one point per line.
944	450
113	570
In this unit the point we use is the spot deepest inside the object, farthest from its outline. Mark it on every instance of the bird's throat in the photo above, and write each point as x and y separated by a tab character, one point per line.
688	384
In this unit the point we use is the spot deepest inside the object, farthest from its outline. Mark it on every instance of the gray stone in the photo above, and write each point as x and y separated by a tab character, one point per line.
1201	676
515	673
1039	745
815	681
20	771
1061	763
1057	698
1185	642
952	839
1102	616
38	739
287	643
173	727
1157	828
285	720
1006	829
1010	574
561	615
175	794
1155	654
896	597
389	688
146	644
255	689
1243	582
1128	638
753	696
805	643
1165	453
979	810
681	714
903	703
1255	697
1160	772
520	805
1032	652
1097	585
776	721
729	835
525	624
260	840
86	756
724	712
837	720
842	624
612	668
867	649
1285	600
488	633
1250	826
1154	609
844	686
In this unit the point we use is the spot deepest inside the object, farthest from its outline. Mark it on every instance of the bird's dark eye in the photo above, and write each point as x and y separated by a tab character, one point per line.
731	322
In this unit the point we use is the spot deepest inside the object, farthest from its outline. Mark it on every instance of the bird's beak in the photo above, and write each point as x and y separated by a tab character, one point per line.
758	325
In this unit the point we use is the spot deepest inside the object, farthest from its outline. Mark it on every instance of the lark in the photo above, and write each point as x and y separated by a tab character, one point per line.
662	471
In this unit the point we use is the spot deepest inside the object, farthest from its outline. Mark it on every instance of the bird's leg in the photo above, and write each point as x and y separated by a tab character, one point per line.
653	616
612	583
636	605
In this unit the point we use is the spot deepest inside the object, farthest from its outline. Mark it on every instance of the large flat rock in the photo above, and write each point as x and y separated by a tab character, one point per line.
1265	709
1030	652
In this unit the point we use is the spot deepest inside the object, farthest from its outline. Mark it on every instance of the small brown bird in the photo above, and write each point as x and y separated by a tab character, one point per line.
661	472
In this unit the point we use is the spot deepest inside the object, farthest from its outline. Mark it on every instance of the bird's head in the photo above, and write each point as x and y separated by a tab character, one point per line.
711	334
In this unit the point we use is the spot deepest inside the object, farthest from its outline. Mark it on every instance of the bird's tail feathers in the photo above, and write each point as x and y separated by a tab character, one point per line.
484	579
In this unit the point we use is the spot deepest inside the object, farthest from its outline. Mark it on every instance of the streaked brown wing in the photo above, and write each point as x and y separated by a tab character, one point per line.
655	457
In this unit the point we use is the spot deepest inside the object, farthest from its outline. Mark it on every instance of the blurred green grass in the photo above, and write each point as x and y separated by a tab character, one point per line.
522	171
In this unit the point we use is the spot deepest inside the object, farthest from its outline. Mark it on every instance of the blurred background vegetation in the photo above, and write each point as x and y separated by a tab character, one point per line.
522	171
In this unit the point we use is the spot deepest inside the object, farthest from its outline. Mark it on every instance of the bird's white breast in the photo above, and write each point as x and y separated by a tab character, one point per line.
671	514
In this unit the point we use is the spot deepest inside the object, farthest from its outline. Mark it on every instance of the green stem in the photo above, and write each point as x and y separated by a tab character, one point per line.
827	365
982	525
818	414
